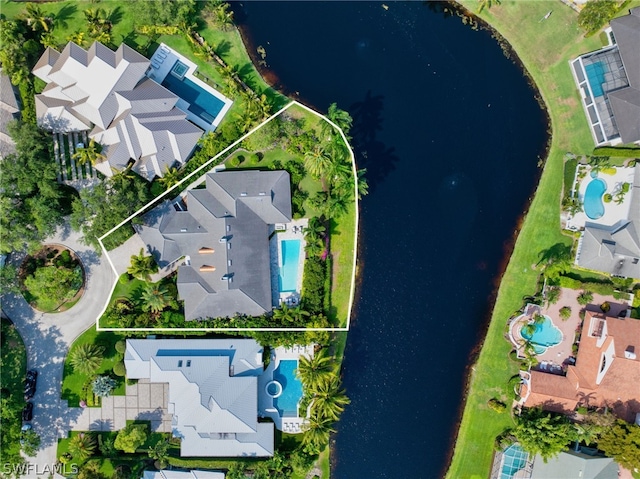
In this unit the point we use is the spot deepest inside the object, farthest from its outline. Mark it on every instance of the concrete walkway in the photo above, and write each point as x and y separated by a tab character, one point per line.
47	337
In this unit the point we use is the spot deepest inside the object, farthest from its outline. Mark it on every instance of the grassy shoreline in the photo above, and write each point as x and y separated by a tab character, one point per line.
558	39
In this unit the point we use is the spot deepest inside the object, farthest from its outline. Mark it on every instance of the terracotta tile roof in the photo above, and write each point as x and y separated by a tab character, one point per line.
619	388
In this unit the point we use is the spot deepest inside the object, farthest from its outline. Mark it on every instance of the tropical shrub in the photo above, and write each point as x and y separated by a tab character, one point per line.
497	405
121	346
585	298
103	385
605	307
607	198
565	313
86	358
82	445
131	438
594	15
313	285
119	369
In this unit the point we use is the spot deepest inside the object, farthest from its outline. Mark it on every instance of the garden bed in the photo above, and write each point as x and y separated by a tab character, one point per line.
52	280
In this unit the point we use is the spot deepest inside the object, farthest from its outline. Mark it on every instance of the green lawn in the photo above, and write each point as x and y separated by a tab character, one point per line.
557	40
72	382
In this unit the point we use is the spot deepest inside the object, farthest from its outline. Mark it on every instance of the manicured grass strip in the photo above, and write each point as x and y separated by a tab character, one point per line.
72	381
342	241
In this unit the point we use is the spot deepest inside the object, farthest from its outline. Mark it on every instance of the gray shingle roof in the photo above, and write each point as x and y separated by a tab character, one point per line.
626	30
574	465
626	110
213	392
224	233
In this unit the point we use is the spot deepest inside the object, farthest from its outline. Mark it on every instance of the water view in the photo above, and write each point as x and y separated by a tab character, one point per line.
450	134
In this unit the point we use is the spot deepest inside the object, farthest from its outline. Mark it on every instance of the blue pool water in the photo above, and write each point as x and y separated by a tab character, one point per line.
288	275
593	205
201	102
287	402
513	460
595	76
545	335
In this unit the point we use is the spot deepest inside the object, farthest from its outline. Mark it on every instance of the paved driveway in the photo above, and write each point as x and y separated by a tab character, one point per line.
47	338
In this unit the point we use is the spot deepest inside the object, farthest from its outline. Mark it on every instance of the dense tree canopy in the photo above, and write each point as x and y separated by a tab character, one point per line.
131	438
164	12
544	433
622	443
30	196
595	14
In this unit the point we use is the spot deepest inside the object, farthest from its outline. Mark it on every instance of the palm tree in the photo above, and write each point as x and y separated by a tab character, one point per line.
142	266
36	19
363	184
328	399
487	4
317	430
314	228
47	40
86	358
340	118
90	153
222	15
318	162
154	298
171	177
83	445
336	206
315	370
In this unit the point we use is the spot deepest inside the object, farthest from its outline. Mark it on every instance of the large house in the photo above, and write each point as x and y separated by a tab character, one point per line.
108	93
575	465
614	249
606	371
213	392
609	83
221	235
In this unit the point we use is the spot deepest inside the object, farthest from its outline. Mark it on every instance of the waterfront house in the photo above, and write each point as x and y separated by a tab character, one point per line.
614	249
606	372
213	392
9	111
219	238
108	94
609	83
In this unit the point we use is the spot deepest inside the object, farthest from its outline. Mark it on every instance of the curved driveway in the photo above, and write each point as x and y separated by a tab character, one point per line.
47	337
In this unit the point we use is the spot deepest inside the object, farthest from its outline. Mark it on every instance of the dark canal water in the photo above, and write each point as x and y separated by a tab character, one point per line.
450	134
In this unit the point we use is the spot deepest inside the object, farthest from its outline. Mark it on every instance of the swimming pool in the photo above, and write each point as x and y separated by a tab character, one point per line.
546	334
201	102
288	275
291	388
513	459
595	75
593	205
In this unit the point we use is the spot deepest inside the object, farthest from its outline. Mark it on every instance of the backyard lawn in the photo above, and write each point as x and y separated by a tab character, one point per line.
73	382
557	40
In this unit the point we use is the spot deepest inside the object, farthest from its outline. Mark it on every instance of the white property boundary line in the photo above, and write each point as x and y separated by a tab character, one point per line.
205	165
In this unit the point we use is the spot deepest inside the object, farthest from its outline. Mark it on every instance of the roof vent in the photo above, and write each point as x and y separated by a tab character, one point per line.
205	268
244	193
183	230
263	193
630	352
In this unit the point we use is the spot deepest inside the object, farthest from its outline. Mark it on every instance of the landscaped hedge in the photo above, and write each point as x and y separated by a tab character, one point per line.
599	288
624	152
313	283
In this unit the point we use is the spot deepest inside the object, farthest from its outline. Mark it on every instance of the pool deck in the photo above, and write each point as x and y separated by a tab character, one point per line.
162	63
266	408
555	358
294	231
613	212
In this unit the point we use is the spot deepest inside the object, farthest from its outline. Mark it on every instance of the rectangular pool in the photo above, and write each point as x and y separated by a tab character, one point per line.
287	402
595	76
288	275
201	102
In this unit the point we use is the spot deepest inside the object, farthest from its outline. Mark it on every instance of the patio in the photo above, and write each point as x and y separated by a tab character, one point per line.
556	357
613	213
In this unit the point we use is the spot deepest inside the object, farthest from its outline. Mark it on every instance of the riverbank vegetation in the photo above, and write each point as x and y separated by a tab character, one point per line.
558	39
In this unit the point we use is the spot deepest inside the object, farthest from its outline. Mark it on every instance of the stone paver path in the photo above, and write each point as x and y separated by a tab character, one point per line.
142	402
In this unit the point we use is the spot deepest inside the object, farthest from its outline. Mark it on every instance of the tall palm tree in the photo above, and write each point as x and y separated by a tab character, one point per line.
315	370
340	118
142	266
328	399
86	358
317	430
487	4
154	298
318	162
222	15
83	445
36	19
363	184
78	37
91	153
